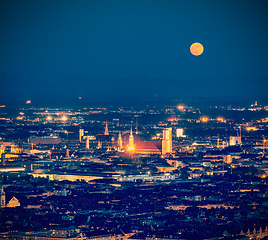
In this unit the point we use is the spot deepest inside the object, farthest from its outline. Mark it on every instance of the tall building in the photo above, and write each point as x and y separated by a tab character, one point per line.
167	141
67	153
87	143
136	126
99	145
106	129
131	140
119	141
81	134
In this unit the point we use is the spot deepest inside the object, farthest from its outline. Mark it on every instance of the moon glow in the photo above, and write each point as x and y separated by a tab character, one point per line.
196	49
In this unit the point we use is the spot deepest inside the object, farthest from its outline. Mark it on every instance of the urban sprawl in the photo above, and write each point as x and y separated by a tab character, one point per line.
171	172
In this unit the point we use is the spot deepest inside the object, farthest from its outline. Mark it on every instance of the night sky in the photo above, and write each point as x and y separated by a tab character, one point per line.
132	49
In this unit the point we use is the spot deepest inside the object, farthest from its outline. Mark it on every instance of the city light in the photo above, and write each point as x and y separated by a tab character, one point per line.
181	107
160	155
251	129
221	119
204	119
64	118
131	148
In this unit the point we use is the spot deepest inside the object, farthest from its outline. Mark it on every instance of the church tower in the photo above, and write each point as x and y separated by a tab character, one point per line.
99	145
106	129
131	140
81	134
119	141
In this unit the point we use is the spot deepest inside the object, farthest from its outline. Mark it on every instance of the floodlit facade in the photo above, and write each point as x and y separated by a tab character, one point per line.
167	141
179	133
120	142
14	202
131	140
106	129
235	140
69	177
81	134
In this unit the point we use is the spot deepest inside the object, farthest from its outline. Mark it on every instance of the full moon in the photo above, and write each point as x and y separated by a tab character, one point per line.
196	49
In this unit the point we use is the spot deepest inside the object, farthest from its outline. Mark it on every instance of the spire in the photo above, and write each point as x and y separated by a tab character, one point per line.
131	140
136	125
106	129
120	145
99	145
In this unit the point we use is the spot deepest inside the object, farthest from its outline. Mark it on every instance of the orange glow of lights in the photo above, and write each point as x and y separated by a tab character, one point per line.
204	119
181	107
131	148
49	118
172	119
28	102
221	119
64	118
196	49
251	129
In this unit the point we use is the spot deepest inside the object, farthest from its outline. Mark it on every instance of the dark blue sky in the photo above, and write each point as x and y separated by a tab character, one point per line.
137	49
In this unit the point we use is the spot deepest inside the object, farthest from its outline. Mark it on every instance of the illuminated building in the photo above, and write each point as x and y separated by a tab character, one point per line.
167	141
69	177
165	169
81	134
9	147
137	126
106	129
12	169
87	143
204	119
235	140
105	140
221	119
14	202
99	144
146	177
251	128
228	159
119	141
179	132
148	147
131	141
67	153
